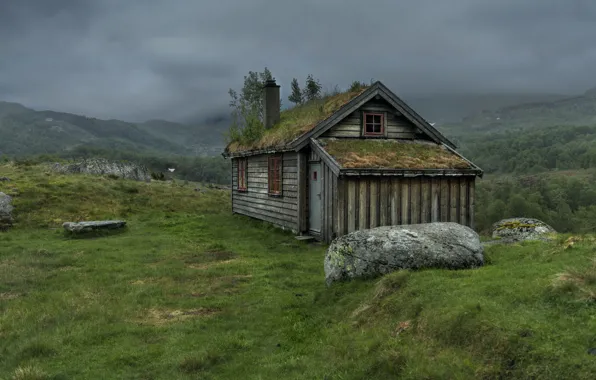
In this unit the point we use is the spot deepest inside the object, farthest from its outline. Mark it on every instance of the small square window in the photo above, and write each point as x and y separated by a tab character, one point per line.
374	124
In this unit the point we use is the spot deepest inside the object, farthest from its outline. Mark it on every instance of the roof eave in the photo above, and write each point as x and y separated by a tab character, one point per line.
410	172
473	165
418	120
326	157
255	152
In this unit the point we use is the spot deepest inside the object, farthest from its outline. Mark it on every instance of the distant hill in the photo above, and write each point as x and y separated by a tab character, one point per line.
574	110
532	150
24	131
206	137
451	108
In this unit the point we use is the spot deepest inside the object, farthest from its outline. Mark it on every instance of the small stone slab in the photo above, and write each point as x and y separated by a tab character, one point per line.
304	237
93	225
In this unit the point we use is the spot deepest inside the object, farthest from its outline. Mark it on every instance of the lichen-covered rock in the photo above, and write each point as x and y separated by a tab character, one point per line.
520	229
93	225
100	166
377	251
6	208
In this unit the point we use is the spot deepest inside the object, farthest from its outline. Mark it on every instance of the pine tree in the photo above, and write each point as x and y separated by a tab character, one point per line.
357	86
312	89
296	96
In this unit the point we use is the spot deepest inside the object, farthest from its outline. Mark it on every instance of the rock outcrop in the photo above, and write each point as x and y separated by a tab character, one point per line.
377	251
100	166
82	227
520	229
6	208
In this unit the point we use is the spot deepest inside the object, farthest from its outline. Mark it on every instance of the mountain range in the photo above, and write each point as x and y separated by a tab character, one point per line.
452	108
24	131
563	111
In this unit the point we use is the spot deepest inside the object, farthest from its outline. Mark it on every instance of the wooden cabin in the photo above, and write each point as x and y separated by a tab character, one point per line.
351	161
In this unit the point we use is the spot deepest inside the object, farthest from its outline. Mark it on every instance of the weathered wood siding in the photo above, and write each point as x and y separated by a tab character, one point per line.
256	201
368	202
397	125
328	197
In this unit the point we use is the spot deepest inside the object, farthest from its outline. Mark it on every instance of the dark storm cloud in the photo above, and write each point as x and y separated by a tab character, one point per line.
139	59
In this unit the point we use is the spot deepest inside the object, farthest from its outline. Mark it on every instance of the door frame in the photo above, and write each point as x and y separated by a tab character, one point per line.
321	184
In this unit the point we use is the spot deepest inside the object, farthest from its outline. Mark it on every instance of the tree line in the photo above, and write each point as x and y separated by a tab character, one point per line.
566	201
532	151
546	173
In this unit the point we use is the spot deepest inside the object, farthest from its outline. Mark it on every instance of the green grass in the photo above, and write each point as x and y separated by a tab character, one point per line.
191	291
357	153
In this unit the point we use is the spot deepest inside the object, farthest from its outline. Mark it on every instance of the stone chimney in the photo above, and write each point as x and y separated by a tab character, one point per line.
271	103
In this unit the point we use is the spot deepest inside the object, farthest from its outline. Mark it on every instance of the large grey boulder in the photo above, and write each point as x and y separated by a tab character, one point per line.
6	208
377	251
93	225
100	166
520	229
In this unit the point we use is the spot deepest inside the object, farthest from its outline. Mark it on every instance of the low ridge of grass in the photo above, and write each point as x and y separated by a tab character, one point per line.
358	153
298	120
193	291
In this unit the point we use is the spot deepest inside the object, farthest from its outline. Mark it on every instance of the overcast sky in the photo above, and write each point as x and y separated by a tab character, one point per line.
141	59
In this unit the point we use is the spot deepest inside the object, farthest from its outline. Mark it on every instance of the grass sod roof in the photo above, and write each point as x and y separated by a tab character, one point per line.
296	121
392	154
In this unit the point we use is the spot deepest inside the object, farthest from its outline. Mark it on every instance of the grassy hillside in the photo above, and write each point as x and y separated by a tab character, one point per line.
25	132
566	200
532	151
192	291
576	110
198	138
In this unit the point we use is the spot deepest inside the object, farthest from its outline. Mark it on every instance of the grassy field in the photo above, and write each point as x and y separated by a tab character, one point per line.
190	291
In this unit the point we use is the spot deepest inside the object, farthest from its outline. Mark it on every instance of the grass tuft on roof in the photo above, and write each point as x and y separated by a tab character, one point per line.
392	154
296	121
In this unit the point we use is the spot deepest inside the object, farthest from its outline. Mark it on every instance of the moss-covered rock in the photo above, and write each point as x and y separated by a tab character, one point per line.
520	229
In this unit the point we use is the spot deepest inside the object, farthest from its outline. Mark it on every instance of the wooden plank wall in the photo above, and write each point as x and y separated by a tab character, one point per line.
368	202
256	202
398	127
